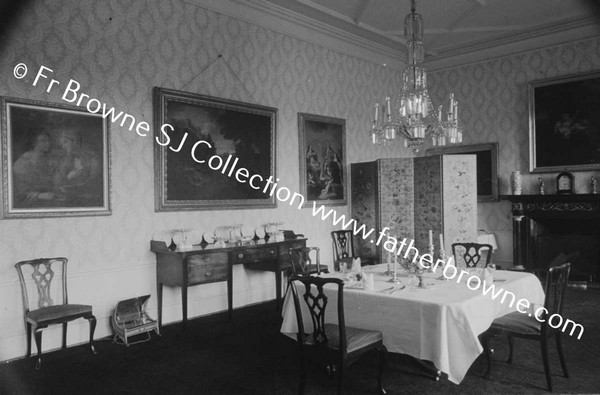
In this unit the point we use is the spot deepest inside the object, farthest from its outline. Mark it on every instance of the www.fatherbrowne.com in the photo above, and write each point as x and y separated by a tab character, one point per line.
256	181
474	282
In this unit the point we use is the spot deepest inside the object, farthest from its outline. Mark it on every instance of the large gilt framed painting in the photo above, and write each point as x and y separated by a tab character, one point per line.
322	160
55	160
564	123
212	153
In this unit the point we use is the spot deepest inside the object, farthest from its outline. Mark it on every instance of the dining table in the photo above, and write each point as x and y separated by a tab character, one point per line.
439	321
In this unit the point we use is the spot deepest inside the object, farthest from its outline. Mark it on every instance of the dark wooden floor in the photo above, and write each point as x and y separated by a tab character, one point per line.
249	356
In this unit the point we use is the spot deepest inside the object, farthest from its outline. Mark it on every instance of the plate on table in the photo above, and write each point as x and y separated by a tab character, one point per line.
194	237
260	232
209	237
349	284
222	233
163	236
247	232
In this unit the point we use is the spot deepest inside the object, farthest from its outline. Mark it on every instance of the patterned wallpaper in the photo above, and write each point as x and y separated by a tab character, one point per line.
119	50
493	98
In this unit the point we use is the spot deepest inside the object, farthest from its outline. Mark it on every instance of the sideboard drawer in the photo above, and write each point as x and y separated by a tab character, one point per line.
253	255
207	268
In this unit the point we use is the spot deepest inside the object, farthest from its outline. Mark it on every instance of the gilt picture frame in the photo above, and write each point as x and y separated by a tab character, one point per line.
487	166
212	153
55	160
564	123
323	173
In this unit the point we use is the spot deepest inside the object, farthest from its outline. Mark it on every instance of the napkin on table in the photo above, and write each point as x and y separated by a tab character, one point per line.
356	265
486	276
368	281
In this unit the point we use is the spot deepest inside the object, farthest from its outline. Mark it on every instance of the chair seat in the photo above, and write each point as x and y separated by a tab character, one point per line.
518	323
58	313
355	338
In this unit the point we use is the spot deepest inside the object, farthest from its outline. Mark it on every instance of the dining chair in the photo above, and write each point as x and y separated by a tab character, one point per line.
52	301
341	344
471	254
306	261
525	326
343	247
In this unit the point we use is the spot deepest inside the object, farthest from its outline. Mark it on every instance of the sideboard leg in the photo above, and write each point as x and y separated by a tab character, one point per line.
159	296
278	287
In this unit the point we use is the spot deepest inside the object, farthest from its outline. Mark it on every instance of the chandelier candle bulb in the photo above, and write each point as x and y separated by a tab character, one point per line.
376	112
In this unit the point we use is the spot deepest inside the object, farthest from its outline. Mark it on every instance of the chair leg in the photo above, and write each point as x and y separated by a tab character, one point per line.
64	336
92	321
38	343
561	356
28	326
544	342
510	349
488	355
382	357
340	372
302	385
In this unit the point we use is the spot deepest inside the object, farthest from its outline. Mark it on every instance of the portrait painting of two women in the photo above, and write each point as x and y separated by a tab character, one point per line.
57	160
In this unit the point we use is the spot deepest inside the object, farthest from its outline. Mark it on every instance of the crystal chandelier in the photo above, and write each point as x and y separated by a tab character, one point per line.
414	116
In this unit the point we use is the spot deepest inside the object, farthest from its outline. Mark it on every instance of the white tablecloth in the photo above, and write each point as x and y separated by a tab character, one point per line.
440	324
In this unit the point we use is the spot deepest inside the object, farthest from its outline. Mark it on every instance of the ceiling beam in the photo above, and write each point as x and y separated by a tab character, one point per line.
472	29
458	20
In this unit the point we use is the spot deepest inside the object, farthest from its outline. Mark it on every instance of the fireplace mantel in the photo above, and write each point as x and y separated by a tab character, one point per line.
556	206
536	218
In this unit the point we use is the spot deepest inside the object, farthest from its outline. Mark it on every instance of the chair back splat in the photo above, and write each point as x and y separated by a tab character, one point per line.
471	254
556	284
343	245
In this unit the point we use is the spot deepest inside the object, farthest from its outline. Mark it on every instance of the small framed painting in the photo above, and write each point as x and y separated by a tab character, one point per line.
322	159
564	123
55	160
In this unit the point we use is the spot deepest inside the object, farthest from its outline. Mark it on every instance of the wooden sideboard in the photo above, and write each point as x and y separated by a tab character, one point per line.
209	263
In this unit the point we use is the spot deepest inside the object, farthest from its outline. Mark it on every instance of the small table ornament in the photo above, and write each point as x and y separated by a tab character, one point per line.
515	182
392	260
395	278
593	185
541	185
564	183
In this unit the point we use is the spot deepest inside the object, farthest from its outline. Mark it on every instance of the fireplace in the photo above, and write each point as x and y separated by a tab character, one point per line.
546	225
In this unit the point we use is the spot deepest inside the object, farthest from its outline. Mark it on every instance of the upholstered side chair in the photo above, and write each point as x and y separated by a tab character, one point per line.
334	341
49	291
525	326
